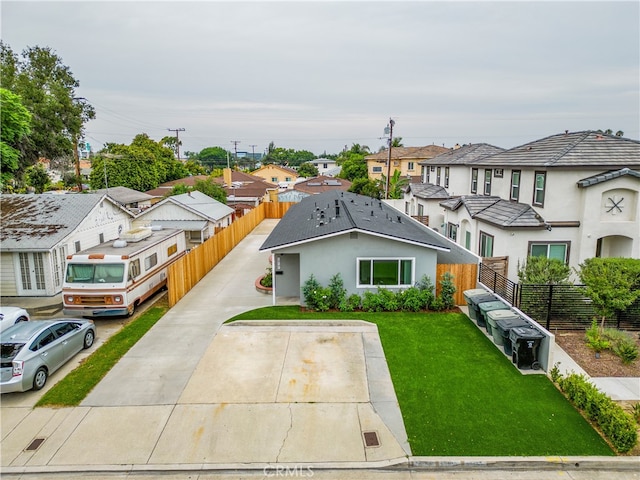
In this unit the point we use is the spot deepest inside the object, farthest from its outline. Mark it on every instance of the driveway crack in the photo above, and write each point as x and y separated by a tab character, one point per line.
286	436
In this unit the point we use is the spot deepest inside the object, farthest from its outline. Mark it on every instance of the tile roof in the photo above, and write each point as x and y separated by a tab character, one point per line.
427	191
408	153
606	176
578	149
315	217
463	155
321	184
39	222
199	203
497	211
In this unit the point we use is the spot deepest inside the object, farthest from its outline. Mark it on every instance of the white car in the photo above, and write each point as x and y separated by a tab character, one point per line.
9	316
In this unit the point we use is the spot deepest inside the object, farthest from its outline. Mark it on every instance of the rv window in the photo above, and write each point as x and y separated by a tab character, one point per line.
150	261
92	273
134	269
172	249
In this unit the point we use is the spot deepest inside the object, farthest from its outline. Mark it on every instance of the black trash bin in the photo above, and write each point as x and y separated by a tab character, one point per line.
504	326
474	309
524	343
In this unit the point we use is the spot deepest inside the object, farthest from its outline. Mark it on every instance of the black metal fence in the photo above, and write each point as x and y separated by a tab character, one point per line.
561	307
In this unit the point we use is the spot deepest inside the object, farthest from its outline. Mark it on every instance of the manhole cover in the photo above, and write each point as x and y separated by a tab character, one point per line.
35	444
371	439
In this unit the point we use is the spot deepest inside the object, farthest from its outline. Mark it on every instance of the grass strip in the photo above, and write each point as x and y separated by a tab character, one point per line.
460	395
72	389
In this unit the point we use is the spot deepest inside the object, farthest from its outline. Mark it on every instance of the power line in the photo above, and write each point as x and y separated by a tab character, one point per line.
177	139
235	152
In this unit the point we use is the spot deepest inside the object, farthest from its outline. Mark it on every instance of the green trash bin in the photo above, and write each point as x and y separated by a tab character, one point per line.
493	317
473	300
486	307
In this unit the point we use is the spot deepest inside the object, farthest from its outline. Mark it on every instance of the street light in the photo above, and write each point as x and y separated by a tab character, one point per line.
388	131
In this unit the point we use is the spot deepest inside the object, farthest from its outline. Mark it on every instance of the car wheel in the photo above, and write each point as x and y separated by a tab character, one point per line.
40	378
21	319
89	337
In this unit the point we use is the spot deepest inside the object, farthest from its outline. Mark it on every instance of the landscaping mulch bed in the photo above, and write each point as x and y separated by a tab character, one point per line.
608	365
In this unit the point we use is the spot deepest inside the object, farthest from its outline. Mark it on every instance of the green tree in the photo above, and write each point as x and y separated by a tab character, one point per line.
612	284
354	165
48	91
397	142
194	167
15	121
368	187
36	176
214	157
396	184
308	170
544	271
178	189
211	188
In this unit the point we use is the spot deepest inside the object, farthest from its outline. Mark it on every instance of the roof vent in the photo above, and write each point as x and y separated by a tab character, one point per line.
399	219
119	244
372	213
156	228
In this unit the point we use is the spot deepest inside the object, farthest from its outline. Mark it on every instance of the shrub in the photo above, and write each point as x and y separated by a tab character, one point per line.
413	300
267	280
437	304
427	288
554	373
595	340
309	292
372	302
617	425
338	292
619	342
627	352
350	303
322	299
447	290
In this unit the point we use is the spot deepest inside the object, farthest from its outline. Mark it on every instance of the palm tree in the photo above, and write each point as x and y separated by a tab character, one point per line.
396	184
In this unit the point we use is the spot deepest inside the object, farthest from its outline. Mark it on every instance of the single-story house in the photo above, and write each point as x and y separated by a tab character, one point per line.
194	212
38	231
367	242
129	198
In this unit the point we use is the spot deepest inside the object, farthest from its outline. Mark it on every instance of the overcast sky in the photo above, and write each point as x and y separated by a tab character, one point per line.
321	75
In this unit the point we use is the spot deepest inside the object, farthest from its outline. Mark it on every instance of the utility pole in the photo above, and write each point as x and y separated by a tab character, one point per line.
253	156
177	139
235	152
76	155
389	130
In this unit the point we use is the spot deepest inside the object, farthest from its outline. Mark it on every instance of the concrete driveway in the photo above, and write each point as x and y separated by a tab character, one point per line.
191	392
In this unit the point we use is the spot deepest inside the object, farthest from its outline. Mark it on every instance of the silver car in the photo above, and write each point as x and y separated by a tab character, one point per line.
11	315
31	351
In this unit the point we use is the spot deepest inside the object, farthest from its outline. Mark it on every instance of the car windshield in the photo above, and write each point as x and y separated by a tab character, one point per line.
8	351
92	273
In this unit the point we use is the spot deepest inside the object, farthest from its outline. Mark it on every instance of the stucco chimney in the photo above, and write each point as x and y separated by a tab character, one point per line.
227	176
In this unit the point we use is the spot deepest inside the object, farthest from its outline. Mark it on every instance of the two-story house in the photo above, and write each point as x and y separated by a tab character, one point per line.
326	167
570	196
406	160
284	177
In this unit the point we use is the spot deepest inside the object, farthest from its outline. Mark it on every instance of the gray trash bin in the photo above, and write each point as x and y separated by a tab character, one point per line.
486	307
474	300
492	318
504	326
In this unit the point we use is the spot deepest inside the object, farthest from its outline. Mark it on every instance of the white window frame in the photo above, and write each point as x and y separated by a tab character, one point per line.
397	259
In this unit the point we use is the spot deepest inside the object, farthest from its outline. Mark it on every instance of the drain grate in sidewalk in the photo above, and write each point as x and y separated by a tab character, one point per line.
34	444
371	439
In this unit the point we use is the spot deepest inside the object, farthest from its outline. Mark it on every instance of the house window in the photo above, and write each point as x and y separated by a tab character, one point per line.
438	172
486	245
467	240
498	172
559	251
406	208
423	172
77	246
150	261
487	182
538	188
428	178
325	165
387	272
101	238
515	185
452	231
287	179
474	180
410	166
420	210
377	169
274	179
446	177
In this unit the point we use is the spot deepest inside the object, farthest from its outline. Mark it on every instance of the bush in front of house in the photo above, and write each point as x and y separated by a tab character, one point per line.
621	343
617	425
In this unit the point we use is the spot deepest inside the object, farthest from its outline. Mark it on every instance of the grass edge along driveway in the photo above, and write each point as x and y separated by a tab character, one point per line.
461	396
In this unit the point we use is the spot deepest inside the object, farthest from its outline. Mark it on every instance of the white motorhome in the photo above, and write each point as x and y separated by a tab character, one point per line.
113	278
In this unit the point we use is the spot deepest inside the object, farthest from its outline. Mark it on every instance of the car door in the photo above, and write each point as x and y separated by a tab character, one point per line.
47	350
69	334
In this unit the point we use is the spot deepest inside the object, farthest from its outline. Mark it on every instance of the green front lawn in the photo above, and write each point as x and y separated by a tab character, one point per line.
458	393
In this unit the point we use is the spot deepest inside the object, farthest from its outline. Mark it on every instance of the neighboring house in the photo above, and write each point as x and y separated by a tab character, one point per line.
38	231
570	196
245	190
196	213
313	186
165	188
132	200
326	167
404	159
282	176
364	240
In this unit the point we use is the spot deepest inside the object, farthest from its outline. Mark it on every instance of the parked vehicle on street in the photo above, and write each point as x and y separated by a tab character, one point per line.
31	351
113	278
9	316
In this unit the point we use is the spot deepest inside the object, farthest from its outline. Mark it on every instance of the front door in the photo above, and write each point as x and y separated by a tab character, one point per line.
32	273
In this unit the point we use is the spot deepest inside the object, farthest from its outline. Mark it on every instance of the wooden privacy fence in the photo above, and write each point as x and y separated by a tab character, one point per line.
465	277
185	273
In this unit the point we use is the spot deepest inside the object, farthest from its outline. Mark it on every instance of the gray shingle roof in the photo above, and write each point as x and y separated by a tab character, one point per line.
315	217
39	222
427	191
579	149
497	211
125	195
604	177
197	202
463	155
